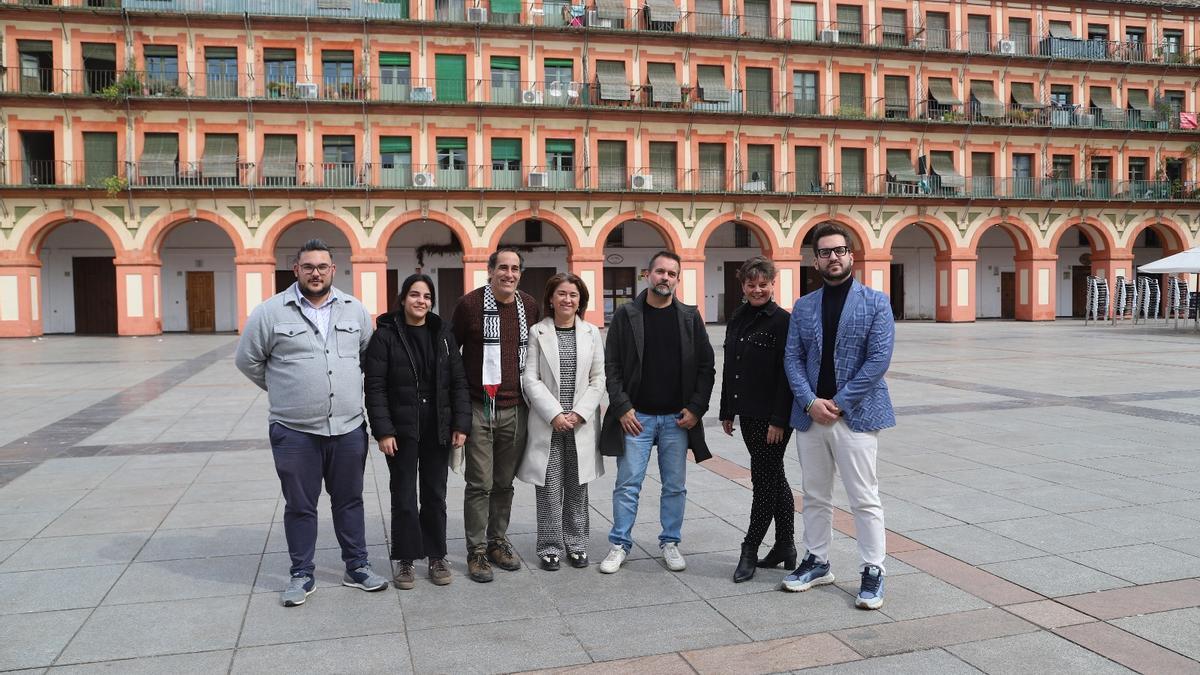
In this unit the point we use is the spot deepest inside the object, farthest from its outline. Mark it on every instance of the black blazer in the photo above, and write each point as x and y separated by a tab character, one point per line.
390	381
753	382
623	371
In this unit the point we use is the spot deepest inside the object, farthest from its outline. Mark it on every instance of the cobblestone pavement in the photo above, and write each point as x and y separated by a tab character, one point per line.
1042	495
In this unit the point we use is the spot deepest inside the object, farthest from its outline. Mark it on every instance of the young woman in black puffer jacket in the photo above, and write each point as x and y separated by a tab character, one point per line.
419	410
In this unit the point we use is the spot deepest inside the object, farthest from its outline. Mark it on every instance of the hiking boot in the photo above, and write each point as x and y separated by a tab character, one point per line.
439	571
870	593
405	578
501	553
364	578
612	562
478	567
298	590
810	573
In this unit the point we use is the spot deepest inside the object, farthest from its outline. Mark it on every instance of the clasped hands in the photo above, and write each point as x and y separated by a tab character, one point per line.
566	421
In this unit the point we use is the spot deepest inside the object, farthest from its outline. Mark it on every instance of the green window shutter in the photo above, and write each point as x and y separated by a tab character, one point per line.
160	50
560	145
612	153
220	52
712	156
506	6
279	55
393	144
808	169
451	144
394	59
451	73
337	56
850	86
506	62
559	63
760	158
662	155
506	149
100	51
401	12
99	156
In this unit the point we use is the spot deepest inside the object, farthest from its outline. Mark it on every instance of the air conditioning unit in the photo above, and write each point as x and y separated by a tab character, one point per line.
531	97
1007	46
423	179
537	179
421	94
829	35
642	181
477	14
306	90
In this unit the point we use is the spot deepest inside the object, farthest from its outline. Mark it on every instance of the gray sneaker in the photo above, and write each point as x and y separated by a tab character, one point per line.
364	578
299	587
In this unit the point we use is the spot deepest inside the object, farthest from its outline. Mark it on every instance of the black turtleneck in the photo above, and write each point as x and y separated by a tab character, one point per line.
832	301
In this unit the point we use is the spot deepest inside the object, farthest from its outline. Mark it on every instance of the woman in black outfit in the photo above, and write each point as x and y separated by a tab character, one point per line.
755	388
419	409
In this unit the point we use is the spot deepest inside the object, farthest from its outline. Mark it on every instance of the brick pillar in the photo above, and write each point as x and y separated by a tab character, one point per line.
369	270
691	280
255	282
139	295
1037	281
589	266
20	298
789	267
874	269
474	269
955	283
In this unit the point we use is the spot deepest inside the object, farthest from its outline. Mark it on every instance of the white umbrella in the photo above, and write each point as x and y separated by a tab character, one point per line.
1185	262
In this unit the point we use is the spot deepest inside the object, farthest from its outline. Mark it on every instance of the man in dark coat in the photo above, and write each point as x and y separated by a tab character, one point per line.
660	371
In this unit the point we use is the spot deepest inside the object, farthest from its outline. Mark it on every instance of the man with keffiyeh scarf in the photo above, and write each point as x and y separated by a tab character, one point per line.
492	325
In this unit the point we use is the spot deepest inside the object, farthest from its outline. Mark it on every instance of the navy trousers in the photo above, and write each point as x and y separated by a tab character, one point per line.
303	461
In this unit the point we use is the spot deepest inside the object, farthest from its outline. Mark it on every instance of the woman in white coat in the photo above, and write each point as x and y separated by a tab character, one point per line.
563	382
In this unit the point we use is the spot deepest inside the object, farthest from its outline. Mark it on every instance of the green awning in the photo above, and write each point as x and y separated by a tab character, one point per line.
220	52
220	155
279	54
279	156
506	149
901	168
1139	100
337	56
942	92
451	144
506	6
34	47
394	59
101	51
560	63
1022	93
160	50
560	145
506	62
392	144
159	153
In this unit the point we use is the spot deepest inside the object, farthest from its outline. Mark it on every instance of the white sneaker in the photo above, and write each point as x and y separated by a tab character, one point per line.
613	561
673	557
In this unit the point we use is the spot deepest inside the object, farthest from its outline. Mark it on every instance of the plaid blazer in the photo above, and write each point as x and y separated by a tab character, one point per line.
862	352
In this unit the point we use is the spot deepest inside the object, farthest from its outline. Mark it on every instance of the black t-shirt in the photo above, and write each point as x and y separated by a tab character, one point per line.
832	302
661	390
420	341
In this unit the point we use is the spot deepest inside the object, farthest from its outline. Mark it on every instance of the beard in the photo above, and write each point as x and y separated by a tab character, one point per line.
313	295
839	276
663	290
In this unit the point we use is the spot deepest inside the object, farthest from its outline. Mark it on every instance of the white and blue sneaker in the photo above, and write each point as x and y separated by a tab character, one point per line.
870	594
300	586
364	578
810	573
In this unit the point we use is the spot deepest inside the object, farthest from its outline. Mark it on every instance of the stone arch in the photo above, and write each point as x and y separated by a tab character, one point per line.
158	232
564	228
282	225
1098	234
31	240
941	234
1174	236
660	224
1024	239
856	229
389	230
760	227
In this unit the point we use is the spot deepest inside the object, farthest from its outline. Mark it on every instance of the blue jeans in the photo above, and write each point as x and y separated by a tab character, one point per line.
672	442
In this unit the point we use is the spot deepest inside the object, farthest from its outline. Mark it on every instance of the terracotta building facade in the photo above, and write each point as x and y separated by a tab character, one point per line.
162	160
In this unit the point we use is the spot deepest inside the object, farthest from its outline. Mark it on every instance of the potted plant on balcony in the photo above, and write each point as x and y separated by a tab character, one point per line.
115	185
129	84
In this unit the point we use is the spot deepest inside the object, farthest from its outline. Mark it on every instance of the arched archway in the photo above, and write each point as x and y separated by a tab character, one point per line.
545	241
286	239
997	244
810	280
1079	243
1150	240
429	246
627	248
79	280
726	243
199	277
914	245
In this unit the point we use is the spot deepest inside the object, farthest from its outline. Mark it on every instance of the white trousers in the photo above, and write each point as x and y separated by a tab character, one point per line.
825	448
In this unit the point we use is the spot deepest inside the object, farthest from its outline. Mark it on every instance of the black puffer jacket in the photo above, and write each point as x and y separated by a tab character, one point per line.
391	381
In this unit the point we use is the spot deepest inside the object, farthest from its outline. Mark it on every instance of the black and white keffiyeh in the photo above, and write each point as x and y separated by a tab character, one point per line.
492	371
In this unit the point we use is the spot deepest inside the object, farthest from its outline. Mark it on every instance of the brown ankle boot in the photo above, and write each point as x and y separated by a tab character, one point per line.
478	567
502	555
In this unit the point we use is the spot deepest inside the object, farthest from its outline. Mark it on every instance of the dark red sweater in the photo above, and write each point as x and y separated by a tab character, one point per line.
468	331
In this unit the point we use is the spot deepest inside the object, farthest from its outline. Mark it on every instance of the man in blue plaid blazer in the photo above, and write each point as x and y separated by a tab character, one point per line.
838	349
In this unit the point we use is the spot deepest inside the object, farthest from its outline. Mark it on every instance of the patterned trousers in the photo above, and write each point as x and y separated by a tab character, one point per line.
772	499
562	504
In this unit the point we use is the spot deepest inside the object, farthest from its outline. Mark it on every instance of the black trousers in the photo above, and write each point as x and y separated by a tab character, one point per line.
772	495
419	532
303	461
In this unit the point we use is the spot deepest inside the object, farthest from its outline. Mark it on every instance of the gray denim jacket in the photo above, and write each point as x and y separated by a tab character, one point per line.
312	385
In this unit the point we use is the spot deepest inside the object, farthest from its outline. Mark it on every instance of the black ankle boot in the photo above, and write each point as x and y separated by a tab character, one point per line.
780	553
745	566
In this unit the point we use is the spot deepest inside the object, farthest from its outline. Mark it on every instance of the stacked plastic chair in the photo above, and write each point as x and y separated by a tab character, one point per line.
1097	300
1149	299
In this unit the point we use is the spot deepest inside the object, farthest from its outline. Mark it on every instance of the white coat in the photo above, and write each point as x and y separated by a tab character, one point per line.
539	383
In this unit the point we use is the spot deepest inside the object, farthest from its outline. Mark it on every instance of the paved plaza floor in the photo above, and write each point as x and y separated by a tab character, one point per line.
1041	491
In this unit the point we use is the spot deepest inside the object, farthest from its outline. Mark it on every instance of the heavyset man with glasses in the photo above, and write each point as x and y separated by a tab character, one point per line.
839	347
303	346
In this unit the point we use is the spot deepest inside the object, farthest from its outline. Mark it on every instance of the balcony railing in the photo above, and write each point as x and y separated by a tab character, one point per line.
57	172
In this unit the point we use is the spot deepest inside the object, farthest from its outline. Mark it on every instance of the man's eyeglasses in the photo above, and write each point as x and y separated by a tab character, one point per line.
838	251
323	268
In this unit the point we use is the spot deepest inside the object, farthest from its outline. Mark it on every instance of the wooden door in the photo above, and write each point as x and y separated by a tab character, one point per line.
450	290
897	291
201	303
533	281
620	287
1079	275
733	288
95	282
1008	295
